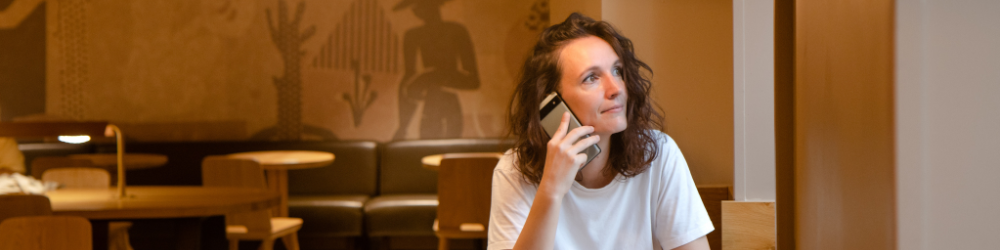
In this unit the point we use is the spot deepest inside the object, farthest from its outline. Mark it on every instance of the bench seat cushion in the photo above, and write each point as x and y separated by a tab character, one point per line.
401	215
328	216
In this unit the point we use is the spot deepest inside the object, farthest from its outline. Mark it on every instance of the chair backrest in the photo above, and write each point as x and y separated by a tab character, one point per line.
15	205
45	232
78	177
41	164
464	188
222	171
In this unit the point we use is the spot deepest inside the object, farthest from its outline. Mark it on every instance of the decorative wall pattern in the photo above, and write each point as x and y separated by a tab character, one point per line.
285	69
364	34
72	38
362	42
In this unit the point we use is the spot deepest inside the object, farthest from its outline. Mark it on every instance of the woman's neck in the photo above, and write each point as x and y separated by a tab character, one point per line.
592	175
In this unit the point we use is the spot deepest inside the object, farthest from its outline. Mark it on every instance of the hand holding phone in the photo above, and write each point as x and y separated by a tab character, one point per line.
551	111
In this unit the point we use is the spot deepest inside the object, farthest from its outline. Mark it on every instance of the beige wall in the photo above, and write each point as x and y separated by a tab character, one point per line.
560	9
689	45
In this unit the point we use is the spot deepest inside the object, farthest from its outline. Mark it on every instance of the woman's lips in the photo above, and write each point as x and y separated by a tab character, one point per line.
615	109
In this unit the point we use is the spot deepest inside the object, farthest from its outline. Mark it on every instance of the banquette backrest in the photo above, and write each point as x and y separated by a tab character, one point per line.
401	169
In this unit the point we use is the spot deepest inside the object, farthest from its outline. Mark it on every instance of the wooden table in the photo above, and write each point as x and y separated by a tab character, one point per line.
277	164
152	202
130	160
433	162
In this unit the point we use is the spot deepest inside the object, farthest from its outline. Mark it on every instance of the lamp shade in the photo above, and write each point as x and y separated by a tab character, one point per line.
46	129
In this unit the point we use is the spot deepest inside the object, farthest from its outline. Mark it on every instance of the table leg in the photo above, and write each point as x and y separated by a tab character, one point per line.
277	181
99	234
189	233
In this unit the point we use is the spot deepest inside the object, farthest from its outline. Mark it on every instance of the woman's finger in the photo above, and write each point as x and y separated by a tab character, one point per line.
584	143
580	159
577	133
563	126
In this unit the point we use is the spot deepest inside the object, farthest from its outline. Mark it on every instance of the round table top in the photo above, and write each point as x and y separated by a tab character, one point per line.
145	202
433	162
130	160
288	159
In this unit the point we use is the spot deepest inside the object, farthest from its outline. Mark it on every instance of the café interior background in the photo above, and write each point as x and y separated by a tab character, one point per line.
226	70
168	70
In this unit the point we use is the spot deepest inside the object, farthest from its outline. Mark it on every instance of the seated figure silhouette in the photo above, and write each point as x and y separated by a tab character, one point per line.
449	63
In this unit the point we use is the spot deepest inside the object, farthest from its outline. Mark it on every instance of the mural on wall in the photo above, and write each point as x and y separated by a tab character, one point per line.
268	69
448	62
364	43
22	58
288	38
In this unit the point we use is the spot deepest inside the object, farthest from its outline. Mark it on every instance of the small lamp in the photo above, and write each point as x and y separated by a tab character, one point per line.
51	129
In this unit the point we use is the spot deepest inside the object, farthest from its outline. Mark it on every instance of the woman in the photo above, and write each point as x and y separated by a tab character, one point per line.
636	194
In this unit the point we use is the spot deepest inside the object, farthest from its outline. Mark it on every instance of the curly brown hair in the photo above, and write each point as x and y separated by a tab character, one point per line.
631	151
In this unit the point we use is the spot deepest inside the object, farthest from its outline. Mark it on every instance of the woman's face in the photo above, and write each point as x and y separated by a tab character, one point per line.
592	84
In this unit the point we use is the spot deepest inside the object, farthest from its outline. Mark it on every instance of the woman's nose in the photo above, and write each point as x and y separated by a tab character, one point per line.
612	87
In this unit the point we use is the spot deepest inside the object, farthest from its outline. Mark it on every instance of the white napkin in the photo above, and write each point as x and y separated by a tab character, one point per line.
18	183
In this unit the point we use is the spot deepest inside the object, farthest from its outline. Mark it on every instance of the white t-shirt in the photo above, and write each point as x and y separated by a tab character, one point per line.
660	207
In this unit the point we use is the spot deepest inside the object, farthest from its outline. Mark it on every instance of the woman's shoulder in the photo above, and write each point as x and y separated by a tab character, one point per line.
663	141
506	169
667	151
506	163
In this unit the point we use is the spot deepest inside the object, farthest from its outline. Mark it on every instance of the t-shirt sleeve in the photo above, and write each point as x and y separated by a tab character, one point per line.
509	206
680	216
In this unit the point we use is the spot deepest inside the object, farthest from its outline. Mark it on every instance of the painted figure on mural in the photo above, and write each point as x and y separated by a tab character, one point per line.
449	63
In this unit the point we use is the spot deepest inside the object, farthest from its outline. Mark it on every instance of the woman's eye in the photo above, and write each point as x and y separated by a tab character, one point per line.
617	71
590	78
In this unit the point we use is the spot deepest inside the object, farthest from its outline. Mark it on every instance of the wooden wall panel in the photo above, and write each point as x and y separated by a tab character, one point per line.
844	139
749	225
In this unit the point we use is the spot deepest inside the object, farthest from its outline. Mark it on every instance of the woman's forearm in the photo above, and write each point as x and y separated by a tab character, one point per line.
539	230
563	160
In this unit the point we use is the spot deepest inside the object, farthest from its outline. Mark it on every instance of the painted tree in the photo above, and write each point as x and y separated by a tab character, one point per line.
288	39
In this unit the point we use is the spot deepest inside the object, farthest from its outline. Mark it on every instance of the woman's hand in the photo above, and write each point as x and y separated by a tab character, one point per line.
564	157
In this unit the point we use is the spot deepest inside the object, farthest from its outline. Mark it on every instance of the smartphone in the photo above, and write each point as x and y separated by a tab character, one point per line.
551	110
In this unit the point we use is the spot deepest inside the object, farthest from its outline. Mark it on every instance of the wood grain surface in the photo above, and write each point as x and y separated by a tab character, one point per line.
146	202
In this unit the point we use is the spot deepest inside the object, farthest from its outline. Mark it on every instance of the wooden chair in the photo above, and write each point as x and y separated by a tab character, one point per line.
15	205
88	177
464	188
78	177
221	171
45	232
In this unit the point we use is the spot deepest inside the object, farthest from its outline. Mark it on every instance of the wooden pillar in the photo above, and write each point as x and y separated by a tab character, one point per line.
844	125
